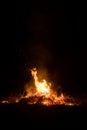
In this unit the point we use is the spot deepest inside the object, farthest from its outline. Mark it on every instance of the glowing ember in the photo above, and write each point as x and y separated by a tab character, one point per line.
4	101
41	94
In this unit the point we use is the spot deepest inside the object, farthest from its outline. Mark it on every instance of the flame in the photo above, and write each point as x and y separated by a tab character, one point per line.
41	93
44	94
42	88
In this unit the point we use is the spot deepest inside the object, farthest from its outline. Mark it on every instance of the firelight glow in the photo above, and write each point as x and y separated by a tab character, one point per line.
41	93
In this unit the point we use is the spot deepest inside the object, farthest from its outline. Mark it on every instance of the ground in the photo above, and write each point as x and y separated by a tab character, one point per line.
20	116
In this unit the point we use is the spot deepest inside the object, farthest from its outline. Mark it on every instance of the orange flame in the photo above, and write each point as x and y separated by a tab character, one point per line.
42	88
42	94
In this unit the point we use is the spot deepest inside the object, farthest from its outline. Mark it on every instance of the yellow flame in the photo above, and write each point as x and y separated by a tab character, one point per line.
41	87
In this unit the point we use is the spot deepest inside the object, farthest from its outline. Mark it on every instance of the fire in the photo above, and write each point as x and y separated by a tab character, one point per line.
42	87
41	93
44	94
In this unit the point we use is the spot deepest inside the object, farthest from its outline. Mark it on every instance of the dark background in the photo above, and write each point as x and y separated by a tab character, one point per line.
50	35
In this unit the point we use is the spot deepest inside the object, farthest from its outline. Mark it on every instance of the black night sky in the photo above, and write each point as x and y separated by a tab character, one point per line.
43	35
